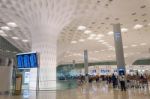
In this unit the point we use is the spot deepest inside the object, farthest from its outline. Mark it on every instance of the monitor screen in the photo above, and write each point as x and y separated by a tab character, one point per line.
27	60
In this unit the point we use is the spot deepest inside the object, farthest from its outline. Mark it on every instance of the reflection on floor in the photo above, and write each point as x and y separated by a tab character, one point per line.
92	91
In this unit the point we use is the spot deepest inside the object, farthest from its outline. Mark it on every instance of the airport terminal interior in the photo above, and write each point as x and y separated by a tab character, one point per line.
74	49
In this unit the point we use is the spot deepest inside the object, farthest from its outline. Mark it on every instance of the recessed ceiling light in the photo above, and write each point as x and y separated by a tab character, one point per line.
92	35
110	46
124	29
133	45
73	42
15	38
90	38
143	44
96	51
87	32
81	27
81	40
97	38
5	28
138	26
7	51
3	34
12	24
110	33
1	31
100	35
101	41
25	41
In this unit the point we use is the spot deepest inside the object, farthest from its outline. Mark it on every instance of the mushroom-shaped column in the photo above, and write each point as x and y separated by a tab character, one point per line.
45	31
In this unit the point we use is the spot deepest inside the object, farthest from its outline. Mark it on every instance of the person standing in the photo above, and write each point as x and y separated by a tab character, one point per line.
114	81
122	82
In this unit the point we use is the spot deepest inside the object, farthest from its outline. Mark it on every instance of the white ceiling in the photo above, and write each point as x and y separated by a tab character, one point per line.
96	15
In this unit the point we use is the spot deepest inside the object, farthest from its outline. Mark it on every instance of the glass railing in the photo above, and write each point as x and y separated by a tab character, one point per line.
66	84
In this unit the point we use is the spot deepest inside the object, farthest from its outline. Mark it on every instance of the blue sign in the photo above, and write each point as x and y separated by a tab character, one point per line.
27	60
117	36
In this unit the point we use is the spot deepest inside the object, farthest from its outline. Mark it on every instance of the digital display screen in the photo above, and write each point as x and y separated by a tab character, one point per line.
27	60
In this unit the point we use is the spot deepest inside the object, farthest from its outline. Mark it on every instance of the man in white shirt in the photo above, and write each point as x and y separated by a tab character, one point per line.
122	82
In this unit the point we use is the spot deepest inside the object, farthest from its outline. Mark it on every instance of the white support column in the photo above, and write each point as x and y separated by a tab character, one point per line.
46	46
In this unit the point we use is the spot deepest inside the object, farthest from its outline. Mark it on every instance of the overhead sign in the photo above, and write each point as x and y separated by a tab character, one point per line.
27	60
117	36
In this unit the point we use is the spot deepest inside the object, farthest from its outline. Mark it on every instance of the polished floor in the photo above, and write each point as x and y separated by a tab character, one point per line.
92	91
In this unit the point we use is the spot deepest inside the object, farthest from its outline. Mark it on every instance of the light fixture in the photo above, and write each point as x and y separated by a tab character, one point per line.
1	31
92	35
101	41
73	42
124	29
87	32
81	40
81	27
133	45
143	44
15	38
100	35
25	41
110	46
12	24
97	38
7	51
3	34
96	51
110	33
90	38
5	28
138	26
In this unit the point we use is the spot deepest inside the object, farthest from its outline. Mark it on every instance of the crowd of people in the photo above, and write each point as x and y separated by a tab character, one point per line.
118	81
